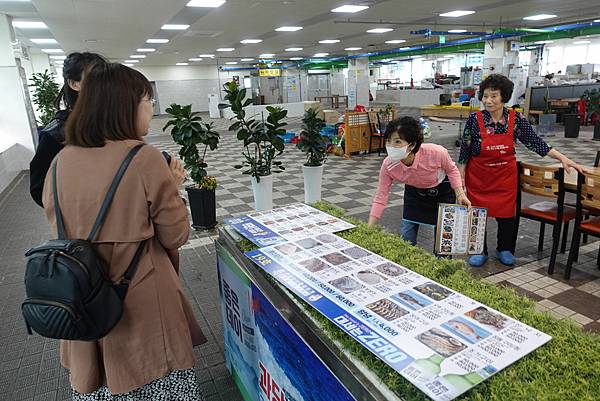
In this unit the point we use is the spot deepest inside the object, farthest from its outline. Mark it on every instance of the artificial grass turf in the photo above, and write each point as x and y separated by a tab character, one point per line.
565	369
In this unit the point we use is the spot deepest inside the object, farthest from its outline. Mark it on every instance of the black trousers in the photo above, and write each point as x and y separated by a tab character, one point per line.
506	235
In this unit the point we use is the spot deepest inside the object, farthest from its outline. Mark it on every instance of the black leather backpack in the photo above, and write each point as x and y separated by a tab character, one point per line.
69	295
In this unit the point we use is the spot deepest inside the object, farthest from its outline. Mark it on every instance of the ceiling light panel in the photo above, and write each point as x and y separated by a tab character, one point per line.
174	27
457	31
195	59
44	41
266	55
132	61
457	13
231	62
207	55
380	30
206	3
250	41
157	41
391	42
182	63
247	59
29	25
137	56
321	55
52	50
349	9
145	50
288	28
295	58
539	17
294	49
225	49
329	41
58	57
351	49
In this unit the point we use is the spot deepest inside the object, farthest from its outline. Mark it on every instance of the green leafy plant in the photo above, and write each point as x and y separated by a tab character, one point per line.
189	131
263	141
311	141
45	92
387	111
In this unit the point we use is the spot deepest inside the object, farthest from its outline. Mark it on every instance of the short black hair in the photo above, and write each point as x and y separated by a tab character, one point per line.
408	129
497	82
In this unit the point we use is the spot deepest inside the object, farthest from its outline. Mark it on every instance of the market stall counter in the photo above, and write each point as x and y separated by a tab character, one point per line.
274	349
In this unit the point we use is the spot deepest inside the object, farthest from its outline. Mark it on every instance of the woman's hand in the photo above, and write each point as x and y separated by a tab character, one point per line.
372	221
463	200
177	171
568	164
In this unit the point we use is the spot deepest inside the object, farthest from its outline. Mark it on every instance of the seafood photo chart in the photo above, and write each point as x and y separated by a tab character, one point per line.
441	341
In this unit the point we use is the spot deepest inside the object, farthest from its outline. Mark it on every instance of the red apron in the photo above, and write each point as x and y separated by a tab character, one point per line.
491	177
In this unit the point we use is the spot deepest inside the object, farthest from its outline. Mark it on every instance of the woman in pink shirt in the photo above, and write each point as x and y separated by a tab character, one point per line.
429	174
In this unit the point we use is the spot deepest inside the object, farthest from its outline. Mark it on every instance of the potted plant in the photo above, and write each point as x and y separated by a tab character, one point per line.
314	146
262	140
592	106
189	131
44	93
547	121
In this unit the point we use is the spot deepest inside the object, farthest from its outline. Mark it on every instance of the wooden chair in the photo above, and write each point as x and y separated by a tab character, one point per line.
588	197
544	182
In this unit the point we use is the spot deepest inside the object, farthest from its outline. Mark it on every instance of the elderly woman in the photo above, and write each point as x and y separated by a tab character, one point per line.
488	165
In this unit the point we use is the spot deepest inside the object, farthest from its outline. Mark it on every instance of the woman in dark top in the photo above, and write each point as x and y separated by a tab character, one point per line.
488	165
52	136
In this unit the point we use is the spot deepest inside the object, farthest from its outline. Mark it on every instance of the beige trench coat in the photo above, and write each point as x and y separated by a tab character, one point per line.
158	328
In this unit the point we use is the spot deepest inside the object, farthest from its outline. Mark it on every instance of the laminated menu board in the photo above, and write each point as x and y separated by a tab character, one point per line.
286	223
460	230
438	339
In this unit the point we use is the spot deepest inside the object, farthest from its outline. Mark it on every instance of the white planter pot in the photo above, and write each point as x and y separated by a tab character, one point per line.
263	193
313	177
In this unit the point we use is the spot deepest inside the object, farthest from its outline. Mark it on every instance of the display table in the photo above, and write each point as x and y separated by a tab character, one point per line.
457	111
273	348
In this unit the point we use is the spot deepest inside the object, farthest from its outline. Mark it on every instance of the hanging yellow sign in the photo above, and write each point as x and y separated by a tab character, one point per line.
270	72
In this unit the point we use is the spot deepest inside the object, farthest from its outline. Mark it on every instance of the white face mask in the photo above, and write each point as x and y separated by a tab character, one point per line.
396	154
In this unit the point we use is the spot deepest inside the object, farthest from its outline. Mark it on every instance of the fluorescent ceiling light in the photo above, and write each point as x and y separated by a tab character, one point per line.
293	49
250	41
194	59
404	48
582	42
128	65
288	28
157	41
145	50
321	55
52	50
44	41
539	17
247	59
329	41
395	41
266	55
29	24
295	58
225	49
597	20
231	62
544	42
174	27
207	55
58	57
457	30
351	49
206	3
137	56
182	63
132	61
379	30
457	13
349	9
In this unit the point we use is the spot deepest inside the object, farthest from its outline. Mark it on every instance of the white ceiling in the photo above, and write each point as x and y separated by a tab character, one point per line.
116	28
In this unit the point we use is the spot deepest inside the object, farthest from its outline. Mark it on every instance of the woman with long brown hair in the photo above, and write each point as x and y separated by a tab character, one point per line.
148	354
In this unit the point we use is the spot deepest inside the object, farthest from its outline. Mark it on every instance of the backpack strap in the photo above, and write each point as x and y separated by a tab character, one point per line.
60	225
111	191
122	286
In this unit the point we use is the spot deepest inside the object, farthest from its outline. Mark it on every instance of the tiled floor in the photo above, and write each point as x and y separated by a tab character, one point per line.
29	366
